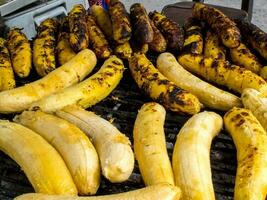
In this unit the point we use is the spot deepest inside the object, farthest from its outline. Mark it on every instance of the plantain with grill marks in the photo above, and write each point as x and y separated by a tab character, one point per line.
79	38
193	42
121	25
172	32
97	39
158	43
160	89
219	22
20	52
7	80
44	45
123	51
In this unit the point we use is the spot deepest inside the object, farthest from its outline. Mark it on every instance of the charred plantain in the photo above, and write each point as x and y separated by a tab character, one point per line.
121	26
79	38
97	39
142	30
172	32
158	43
219	22
44	47
193	42
123	51
20	52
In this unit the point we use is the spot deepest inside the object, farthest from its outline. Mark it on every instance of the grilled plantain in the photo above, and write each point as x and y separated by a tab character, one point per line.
121	25
213	47
159	88
44	47
223	73
172	32
64	50
158	43
79	38
20	52
97	39
242	56
123	51
142	29
219	22
193	42
103	20
7	80
256	37
139	48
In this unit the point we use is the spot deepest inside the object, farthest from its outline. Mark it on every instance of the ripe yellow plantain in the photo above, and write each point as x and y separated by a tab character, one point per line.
41	163
75	70
150	145
7	79
223	73
73	145
64	50
20	51
159	88
208	94
191	156
250	140
88	92
159	192
113	147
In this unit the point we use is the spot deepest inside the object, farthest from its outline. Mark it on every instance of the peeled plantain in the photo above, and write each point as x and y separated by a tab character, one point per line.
250	140
193	42
103	20
223	73
213	47
256	37
20	52
121	25
220	23
7	80
159	88
123	51
64	50
172	32
97	39
142	30
44	45
79	38
158	43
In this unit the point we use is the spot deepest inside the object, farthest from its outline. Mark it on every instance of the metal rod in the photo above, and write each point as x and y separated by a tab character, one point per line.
247	5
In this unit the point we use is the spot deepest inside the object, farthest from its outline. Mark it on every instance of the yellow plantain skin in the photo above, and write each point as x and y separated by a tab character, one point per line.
97	39
219	22
254	101
75	70
223	73
79	38
193	42
150	145
160	89
213	48
20	52
44	45
243	57
88	92
123	51
64	50
103	20
250	141
161	192
7	79
113	147
41	163
191	156
208	94
72	144
121	25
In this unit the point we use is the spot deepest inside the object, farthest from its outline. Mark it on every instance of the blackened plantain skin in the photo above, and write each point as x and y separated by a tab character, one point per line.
142	30
158	43
79	38
121	26
256	37
172	31
220	23
193	37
